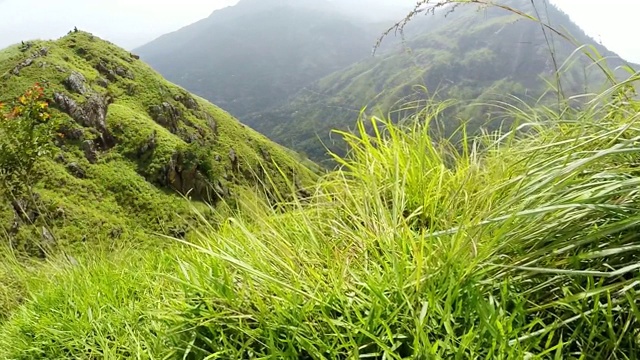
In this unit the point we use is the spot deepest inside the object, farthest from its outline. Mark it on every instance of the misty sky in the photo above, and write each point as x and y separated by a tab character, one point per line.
130	23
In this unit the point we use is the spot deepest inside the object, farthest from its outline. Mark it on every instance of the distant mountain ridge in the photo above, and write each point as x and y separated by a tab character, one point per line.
295	70
475	54
256	54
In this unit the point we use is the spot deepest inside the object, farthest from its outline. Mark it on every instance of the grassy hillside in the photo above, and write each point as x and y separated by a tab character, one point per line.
463	56
254	55
128	146
519	243
518	246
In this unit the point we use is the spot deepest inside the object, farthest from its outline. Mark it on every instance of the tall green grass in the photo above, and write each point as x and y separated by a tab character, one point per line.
511	246
515	245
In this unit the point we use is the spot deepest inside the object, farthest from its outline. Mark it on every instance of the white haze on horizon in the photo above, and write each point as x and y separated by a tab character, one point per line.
131	23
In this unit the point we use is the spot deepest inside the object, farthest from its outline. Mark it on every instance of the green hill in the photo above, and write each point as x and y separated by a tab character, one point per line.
461	56
524	248
129	145
254	55
516	244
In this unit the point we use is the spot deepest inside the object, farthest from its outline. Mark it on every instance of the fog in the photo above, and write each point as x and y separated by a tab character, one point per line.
130	23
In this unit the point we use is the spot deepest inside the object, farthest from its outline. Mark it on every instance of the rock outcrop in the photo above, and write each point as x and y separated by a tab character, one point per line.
90	151
29	61
188	102
185	177
166	115
92	113
76	83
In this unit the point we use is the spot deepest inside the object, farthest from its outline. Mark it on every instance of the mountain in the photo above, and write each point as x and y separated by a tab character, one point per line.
374	10
256	54
129	147
472	53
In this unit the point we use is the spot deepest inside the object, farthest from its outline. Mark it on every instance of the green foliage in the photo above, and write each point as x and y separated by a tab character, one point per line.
25	137
510	245
105	301
514	244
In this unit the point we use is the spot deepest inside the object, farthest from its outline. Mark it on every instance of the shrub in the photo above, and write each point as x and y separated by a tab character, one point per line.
25	137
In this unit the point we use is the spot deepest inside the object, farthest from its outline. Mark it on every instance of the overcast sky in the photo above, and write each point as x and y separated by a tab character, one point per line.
612	22
130	23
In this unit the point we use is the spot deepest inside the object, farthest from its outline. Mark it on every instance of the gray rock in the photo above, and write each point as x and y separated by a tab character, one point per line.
69	106
72	133
188	102
24	211
15	226
211	122
183	176
76	83
43	51
102	82
22	65
166	115
90	151
120	71
92	113
47	238
95	110
60	213
221	190
104	69
76	170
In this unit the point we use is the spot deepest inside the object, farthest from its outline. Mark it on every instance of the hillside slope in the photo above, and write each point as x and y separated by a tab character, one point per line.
254	55
471	54
129	145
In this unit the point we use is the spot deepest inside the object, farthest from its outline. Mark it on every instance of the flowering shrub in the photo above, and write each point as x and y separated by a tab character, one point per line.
25	133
